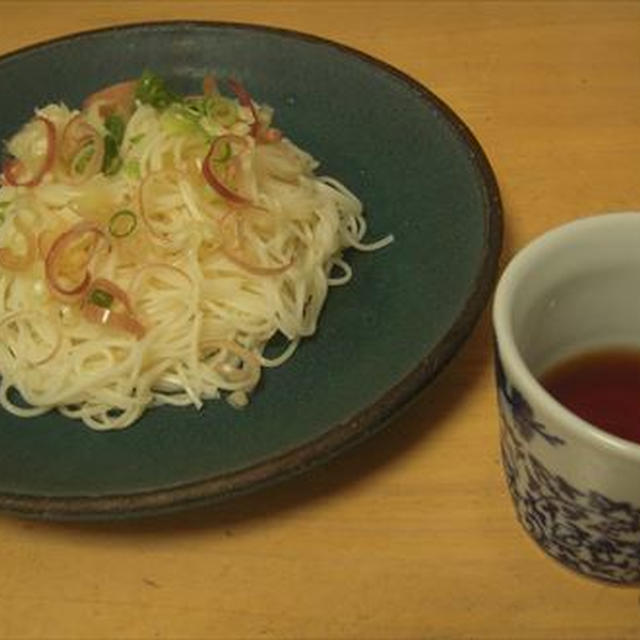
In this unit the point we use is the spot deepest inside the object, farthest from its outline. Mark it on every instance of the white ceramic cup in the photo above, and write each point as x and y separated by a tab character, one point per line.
576	488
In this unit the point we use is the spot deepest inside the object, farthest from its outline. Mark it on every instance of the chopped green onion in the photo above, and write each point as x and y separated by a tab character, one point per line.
115	127
191	116
132	169
101	298
3	209
81	159
136	139
123	223
112	161
197	106
189	112
151	89
178	121
224	153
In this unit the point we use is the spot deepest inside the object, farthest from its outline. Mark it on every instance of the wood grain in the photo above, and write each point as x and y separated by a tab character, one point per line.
412	535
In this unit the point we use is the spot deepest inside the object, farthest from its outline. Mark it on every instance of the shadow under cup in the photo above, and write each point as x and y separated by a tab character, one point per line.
576	488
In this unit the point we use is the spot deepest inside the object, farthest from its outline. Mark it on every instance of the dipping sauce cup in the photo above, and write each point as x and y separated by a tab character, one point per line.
575	487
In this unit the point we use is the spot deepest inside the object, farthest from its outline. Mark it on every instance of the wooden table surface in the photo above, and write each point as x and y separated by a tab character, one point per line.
412	535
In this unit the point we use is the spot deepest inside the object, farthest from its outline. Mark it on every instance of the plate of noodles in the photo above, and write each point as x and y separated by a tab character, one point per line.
227	253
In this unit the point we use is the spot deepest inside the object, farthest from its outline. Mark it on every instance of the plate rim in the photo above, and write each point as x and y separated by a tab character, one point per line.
354	428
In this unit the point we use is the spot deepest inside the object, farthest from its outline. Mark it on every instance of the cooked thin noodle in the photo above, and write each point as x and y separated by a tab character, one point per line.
209	281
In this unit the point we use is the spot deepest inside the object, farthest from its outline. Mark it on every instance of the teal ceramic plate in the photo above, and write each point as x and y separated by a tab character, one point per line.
422	176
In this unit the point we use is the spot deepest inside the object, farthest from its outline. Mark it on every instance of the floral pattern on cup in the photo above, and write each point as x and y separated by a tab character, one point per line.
520	409
583	529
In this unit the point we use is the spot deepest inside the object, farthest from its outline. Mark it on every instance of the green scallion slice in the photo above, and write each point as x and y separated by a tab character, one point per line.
223	154
101	298
123	223
81	159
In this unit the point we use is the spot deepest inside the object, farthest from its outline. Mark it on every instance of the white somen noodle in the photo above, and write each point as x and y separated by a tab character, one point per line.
159	273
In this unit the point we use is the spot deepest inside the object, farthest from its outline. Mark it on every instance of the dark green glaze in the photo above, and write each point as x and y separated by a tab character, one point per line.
422	176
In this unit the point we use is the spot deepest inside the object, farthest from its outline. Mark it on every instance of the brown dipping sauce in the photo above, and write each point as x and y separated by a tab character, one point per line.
601	387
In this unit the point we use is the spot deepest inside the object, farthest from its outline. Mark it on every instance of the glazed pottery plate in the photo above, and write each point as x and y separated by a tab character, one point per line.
422	177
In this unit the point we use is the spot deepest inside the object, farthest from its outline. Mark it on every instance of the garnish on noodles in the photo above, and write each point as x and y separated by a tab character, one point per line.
151	246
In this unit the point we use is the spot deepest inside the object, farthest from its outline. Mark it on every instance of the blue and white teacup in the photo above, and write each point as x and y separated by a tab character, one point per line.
575	487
